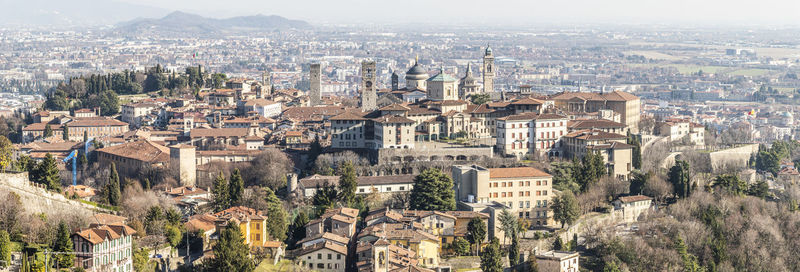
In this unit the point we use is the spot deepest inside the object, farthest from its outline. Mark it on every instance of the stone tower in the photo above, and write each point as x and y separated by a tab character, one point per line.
266	85
369	97
182	159
467	85
395	81
314	92
488	70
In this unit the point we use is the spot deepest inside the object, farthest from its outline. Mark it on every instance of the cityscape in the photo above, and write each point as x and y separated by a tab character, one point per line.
148	136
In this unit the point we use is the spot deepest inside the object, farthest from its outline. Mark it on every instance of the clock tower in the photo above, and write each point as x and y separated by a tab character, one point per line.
369	96
488	70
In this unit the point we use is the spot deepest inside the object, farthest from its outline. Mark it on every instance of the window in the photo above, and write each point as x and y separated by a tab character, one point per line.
319	256
320	266
402	188
330	256
338	256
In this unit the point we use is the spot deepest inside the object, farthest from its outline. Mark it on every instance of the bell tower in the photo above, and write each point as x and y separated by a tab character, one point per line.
488	70
315	72
369	97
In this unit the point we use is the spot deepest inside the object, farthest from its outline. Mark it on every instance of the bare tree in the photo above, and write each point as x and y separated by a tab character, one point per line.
269	168
658	188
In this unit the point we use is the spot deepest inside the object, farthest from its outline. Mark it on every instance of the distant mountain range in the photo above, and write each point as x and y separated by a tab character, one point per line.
67	13
182	22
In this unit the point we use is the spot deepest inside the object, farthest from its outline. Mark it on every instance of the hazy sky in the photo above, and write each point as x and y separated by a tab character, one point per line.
503	12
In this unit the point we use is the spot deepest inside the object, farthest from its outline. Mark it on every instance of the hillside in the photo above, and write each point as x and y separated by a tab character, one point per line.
182	22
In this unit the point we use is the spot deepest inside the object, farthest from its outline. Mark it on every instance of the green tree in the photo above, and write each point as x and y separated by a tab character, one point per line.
533	265
759	189
236	187
638	181
231	253
141	259
690	263
65	132
508	223
769	160
558	244
565	208
48	131
479	99
591	170
173	234
347	184
113	191
324	198
564	176
25	163
573	244
731	183
611	266
6	149
277	225
298	228
5	248
433	191
636	156
220	193
47	173
513	252
460	246
491	258
57	101
679	177
476	232
63	243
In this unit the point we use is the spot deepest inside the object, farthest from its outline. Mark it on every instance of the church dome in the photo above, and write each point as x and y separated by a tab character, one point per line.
416	73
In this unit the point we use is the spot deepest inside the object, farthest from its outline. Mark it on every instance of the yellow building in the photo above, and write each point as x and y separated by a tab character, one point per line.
424	245
252	223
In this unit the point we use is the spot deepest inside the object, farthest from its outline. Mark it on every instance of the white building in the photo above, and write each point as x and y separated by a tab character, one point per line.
558	261
104	248
531	133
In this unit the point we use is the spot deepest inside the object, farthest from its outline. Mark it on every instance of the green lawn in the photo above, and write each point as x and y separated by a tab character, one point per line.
750	72
283	265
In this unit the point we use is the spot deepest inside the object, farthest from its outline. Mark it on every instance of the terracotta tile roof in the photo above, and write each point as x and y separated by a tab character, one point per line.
593	124
95	122
327	236
594	135
619	96
81	191
395	107
348	115
98	233
203	222
144	150
392	119
185	191
218	132
527	101
516	172
628	199
318	246
467	214
240	213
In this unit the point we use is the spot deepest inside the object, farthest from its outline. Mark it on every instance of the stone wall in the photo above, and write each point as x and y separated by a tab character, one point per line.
734	156
36	199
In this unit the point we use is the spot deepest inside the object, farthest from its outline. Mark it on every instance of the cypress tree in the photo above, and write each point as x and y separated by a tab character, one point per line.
347	184
65	132
5	248
491	258
63	244
113	191
236	187
47	173
48	131
231	253
221	193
